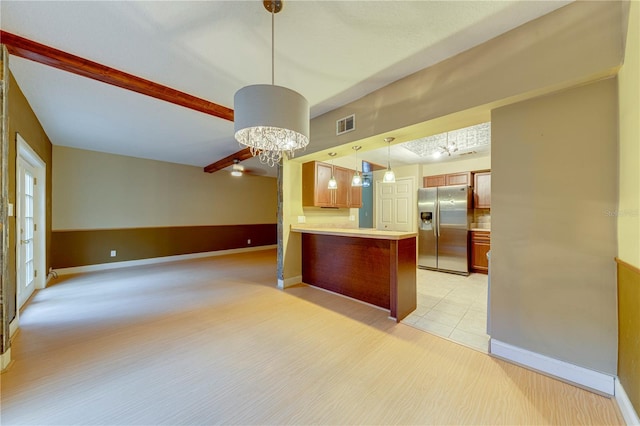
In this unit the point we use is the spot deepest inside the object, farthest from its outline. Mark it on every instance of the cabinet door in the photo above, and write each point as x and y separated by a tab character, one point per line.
458	178
482	190
479	261
480	246
343	177
433	181
356	197
315	186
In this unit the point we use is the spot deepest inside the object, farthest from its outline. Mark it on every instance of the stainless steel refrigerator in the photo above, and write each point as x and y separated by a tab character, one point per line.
443	223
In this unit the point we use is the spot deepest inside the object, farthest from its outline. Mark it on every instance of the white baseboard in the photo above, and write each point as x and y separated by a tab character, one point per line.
5	359
13	326
154	260
580	376
288	282
628	412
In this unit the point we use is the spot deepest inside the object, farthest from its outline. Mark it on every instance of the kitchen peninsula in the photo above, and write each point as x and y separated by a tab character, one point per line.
376	267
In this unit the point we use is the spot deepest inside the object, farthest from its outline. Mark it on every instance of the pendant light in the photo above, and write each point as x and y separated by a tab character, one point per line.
270	119
389	176
357	179
333	183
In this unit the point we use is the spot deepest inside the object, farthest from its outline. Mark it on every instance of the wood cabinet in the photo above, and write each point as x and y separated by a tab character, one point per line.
433	181
315	191
482	190
480	246
463	178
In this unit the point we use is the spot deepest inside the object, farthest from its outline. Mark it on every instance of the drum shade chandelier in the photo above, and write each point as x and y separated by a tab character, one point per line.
271	120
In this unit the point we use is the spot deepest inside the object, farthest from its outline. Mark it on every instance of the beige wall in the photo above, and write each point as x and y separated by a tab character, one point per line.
576	43
628	211
291	209
93	190
554	175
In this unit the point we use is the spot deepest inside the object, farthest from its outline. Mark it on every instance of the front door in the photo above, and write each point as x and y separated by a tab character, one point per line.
26	228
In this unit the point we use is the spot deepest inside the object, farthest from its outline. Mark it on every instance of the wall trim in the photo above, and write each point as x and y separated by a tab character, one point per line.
289	282
624	403
583	377
5	360
13	326
154	260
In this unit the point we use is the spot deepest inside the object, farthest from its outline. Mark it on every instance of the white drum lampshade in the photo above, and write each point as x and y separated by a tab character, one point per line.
271	120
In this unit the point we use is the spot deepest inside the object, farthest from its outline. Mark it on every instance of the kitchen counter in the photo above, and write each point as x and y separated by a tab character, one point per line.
483	226
354	232
376	267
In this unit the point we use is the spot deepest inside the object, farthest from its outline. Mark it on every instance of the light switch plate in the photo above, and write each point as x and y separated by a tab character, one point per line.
302	219
10	212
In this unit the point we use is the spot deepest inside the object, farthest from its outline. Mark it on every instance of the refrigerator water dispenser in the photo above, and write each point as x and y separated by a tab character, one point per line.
426	221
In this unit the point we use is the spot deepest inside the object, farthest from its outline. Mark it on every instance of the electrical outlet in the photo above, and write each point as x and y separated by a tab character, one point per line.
113	253
352	218
249	241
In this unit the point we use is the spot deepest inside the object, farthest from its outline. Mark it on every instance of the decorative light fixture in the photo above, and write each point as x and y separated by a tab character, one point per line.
270	119
357	179
237	168
448	148
333	183
389	176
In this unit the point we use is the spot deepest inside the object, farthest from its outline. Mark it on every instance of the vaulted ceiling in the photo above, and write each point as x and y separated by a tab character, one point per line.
332	52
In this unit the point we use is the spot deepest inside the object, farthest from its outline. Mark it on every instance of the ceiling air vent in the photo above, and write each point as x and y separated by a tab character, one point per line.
346	124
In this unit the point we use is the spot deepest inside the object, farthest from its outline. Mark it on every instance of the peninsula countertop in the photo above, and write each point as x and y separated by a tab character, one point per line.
353	232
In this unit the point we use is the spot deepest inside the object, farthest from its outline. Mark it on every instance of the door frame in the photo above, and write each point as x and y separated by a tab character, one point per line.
28	155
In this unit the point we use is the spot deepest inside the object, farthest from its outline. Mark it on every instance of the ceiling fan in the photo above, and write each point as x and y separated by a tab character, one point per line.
238	170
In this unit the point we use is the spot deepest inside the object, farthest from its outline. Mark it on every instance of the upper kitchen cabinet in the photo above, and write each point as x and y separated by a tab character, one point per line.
482	190
315	182
463	178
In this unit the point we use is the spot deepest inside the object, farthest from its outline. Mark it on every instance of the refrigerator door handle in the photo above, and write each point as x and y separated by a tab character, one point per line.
438	218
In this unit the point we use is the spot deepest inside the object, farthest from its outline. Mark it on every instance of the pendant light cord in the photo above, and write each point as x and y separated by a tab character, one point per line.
273	44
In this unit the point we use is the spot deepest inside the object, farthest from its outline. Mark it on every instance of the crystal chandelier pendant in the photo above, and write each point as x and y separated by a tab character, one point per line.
271	120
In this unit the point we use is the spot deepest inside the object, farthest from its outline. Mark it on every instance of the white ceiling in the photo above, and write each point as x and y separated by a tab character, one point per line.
332	52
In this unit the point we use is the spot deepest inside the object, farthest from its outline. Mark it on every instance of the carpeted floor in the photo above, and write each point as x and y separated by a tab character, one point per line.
213	341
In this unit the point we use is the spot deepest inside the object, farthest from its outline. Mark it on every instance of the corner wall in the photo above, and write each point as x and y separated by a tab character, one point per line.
628	213
554	177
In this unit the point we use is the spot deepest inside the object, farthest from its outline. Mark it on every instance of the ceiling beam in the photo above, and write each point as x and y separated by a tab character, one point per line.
28	49
228	161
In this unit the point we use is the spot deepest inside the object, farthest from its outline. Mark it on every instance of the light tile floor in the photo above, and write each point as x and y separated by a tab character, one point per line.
452	306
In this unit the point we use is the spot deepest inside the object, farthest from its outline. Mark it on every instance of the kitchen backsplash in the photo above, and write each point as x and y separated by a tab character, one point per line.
482	216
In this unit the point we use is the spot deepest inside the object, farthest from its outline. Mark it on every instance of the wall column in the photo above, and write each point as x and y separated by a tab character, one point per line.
5	344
